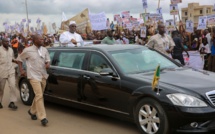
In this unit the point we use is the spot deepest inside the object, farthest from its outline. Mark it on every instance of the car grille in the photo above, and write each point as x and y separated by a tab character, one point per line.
211	96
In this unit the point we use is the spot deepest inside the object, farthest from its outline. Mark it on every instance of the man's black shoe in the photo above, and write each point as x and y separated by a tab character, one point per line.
1	106
12	106
33	117
44	121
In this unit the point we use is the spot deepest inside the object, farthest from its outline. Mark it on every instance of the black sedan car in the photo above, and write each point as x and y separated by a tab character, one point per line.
115	80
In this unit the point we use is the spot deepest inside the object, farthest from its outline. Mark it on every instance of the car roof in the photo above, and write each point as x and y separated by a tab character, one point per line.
102	47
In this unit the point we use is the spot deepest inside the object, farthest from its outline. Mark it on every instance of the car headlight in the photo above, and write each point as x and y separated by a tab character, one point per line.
186	100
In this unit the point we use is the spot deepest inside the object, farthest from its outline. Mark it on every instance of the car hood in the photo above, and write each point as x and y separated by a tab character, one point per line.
184	79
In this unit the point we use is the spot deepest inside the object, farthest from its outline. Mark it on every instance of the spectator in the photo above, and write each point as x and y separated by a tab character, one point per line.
205	51
178	48
194	45
7	73
109	39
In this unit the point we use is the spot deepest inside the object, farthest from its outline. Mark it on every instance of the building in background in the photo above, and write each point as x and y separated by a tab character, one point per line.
194	10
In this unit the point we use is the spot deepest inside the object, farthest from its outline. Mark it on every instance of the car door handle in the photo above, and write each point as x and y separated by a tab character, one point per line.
86	77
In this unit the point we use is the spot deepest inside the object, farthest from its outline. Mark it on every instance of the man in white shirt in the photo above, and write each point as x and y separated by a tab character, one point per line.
208	36
71	38
161	42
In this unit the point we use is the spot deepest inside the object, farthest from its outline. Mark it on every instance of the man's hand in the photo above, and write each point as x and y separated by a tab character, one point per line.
47	64
74	41
15	61
23	73
168	51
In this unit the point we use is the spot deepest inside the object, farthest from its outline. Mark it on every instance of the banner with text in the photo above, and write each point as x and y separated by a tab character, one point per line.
143	32
189	26
98	21
82	21
125	14
145	4
211	19
159	10
176	1
170	26
202	22
173	9
116	17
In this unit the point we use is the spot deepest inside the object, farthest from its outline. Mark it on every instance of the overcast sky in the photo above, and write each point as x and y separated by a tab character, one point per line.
50	11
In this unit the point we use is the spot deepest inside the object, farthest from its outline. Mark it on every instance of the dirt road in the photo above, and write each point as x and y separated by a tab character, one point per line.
62	120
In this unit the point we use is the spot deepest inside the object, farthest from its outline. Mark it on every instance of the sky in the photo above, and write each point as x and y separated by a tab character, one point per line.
50	11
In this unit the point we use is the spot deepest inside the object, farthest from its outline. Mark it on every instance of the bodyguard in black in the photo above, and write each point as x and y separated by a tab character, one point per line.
178	48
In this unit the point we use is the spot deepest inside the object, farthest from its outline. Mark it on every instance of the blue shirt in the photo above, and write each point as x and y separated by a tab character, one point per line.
213	49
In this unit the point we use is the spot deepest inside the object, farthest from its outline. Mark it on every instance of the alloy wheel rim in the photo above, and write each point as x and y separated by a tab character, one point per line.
149	119
25	92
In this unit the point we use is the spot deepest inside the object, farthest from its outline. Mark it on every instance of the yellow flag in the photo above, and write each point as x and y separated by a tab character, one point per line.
156	77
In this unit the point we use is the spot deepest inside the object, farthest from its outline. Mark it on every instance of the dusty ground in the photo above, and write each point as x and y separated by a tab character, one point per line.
62	120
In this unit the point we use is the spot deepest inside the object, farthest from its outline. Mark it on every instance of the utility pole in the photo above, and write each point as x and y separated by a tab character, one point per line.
26	6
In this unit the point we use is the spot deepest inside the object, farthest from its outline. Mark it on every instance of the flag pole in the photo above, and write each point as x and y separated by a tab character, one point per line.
158	87
158	3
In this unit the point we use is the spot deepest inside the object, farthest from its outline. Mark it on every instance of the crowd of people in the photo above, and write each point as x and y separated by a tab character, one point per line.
199	40
32	49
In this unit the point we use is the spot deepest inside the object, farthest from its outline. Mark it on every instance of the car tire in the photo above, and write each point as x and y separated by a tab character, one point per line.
150	117
26	92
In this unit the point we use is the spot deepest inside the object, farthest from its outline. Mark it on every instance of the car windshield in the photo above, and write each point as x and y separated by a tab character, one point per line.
140	60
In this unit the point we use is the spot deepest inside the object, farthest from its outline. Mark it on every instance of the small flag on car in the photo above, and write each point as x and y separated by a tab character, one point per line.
156	77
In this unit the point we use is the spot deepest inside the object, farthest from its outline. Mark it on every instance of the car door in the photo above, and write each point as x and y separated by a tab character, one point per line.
65	74
103	91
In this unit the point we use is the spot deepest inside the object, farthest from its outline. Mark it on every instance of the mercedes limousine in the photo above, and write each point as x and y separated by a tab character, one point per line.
115	80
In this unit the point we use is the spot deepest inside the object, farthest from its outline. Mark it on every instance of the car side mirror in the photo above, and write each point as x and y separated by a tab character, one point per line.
109	72
106	71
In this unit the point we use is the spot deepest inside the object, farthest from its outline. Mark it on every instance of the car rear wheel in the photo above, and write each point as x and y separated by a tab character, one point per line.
26	92
150	117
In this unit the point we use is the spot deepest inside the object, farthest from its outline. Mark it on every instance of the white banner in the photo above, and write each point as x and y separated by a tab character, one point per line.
202	22
189	26
170	26
128	26
135	25
143	32
160	19
125	14
159	10
214	8
145	4
154	16
176	1
173	9
98	21
194	61
211	19
116	17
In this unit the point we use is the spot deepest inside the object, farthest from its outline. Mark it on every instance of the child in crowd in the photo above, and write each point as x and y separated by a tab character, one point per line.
205	51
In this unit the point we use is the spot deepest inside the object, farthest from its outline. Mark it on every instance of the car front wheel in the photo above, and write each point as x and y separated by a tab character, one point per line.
150	117
26	92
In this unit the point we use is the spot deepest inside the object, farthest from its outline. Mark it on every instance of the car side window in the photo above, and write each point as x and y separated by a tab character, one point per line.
71	59
97	63
51	53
